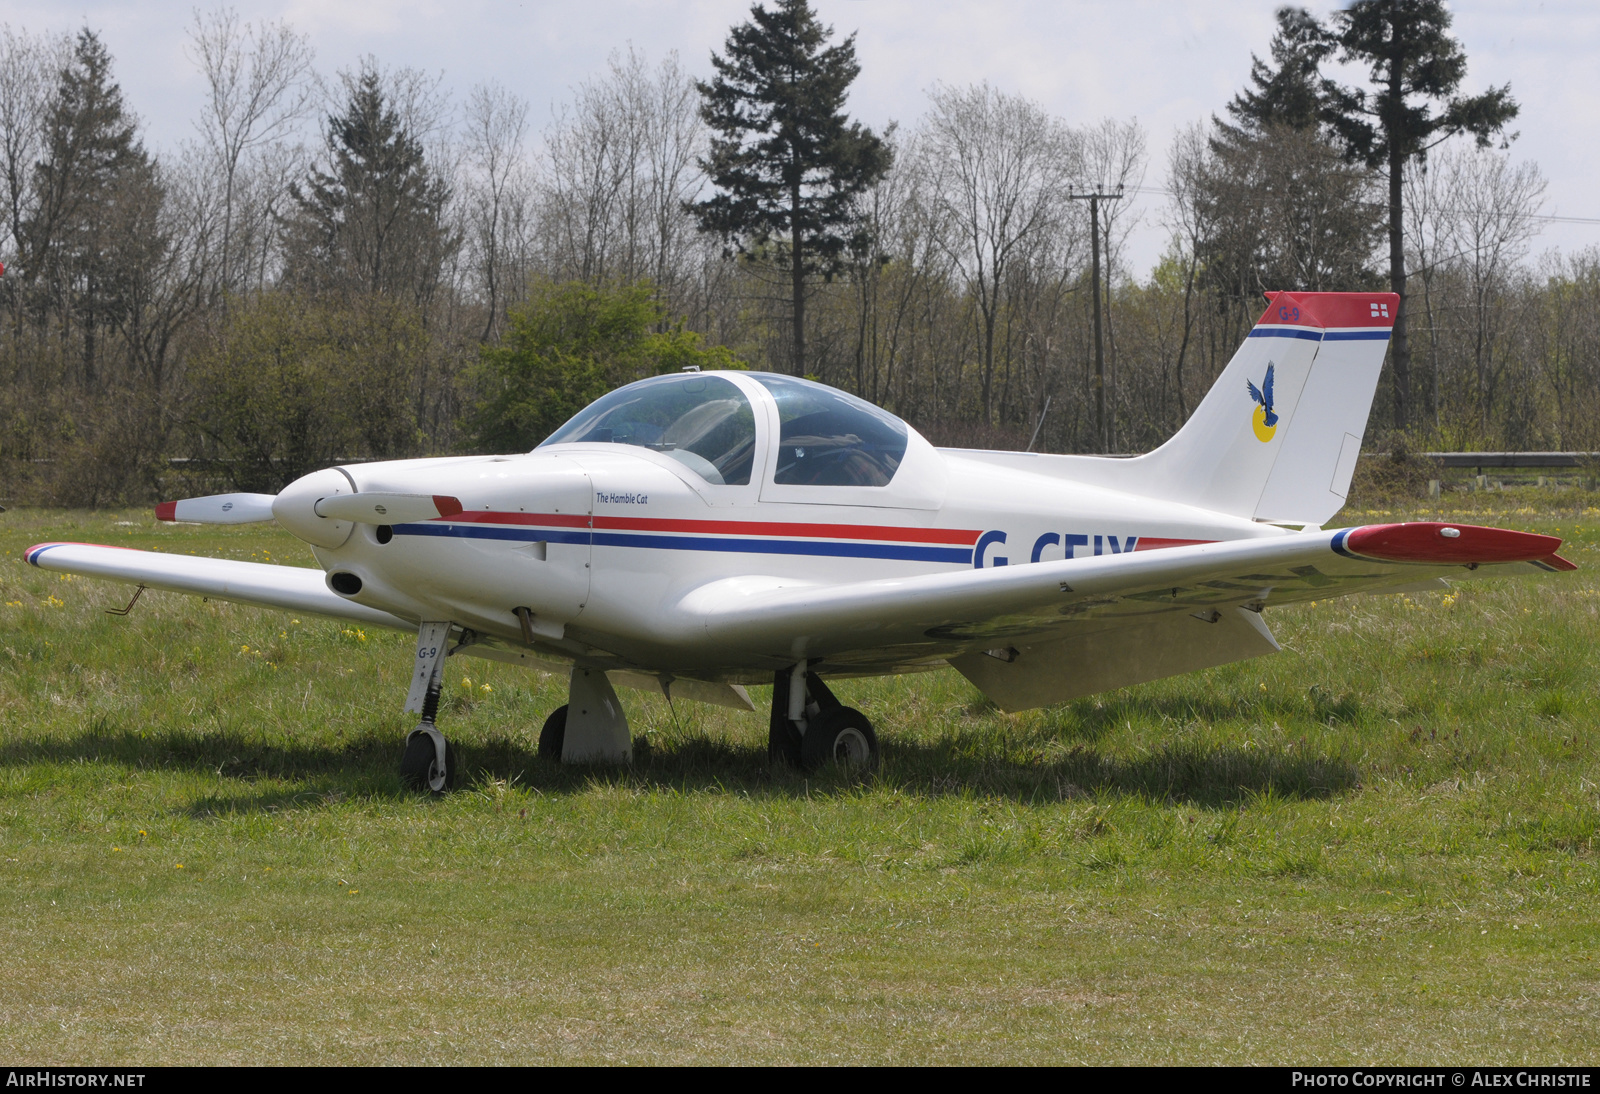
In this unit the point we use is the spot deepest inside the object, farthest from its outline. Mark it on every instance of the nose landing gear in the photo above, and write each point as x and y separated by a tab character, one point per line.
809	727
429	761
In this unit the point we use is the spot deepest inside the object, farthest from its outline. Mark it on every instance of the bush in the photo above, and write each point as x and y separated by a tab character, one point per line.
567	346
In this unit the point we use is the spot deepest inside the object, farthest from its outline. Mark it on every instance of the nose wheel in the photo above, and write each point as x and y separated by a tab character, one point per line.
429	761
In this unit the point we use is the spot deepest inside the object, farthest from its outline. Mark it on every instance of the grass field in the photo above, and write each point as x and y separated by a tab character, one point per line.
1378	846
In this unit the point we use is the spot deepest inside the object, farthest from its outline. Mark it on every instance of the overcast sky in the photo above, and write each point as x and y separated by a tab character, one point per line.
1165	63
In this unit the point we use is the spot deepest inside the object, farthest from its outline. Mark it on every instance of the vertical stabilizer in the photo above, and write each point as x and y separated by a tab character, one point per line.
1276	437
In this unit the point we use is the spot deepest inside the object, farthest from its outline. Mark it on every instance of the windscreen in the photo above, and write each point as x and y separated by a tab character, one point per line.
828	438
703	422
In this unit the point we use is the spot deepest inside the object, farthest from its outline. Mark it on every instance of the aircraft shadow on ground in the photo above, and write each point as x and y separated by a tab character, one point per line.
315	775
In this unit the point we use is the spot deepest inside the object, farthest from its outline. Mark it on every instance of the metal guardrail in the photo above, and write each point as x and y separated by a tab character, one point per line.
1479	460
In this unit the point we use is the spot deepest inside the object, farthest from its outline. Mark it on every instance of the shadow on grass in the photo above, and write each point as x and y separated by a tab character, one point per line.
316	775
1091	719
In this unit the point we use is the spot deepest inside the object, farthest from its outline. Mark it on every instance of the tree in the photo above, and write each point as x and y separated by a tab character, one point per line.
375	221
92	198
787	164
567	346
1413	63
1001	168
1288	92
257	90
291	384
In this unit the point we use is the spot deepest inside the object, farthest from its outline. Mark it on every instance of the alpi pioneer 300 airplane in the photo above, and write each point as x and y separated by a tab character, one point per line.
695	532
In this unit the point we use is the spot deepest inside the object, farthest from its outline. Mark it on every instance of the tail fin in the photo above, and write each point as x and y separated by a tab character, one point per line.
1276	438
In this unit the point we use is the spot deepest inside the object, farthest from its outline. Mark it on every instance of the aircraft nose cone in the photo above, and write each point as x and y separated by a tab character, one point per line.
295	508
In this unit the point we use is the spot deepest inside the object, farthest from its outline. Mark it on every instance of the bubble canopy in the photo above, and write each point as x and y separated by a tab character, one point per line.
705	422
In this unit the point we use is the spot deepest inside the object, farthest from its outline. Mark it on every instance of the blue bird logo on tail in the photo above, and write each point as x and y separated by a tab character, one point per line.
1264	420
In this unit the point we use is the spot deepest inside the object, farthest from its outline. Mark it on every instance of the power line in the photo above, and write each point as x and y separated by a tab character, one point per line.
1551	218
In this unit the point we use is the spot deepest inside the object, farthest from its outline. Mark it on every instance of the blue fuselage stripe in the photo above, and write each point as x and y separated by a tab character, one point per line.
1357	336
908	552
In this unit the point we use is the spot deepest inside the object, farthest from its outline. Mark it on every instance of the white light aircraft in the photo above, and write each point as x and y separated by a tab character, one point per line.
692	533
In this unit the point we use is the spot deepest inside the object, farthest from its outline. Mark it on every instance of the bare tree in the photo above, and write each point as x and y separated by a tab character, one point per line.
1188	218
1114	157
258	84
621	166
1000	168
1490	204
498	195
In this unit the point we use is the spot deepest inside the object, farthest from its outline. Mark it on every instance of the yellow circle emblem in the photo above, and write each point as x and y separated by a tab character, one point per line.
1258	420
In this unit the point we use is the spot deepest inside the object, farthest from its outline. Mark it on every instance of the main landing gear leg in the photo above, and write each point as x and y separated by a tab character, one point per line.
809	727
429	762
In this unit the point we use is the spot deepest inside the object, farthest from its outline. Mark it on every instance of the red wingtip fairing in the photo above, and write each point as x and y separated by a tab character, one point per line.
1433	541
167	510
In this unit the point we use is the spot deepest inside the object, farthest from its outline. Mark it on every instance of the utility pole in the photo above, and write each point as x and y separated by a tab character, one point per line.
1094	198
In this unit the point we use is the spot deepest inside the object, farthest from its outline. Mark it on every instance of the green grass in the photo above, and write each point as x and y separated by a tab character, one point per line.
1378	846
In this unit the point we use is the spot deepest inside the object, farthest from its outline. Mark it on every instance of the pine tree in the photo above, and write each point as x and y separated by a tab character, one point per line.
1289	91
94	182
1413	63
786	162
373	222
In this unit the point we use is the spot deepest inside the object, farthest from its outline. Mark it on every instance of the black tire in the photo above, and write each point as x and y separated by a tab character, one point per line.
418	760
841	735
783	743
554	735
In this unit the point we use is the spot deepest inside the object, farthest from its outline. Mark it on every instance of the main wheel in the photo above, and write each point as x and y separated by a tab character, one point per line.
553	736
419	765
841	735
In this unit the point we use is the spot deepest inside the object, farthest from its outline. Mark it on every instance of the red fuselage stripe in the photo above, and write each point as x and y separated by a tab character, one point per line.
1150	543
726	527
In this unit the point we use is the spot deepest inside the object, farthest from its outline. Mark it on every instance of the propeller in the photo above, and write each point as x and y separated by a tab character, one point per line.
372	508
219	509
379	508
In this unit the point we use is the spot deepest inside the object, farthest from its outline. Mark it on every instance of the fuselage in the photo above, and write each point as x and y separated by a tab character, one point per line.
600	540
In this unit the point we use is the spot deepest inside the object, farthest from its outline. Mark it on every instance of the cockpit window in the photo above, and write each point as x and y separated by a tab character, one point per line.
829	438
703	422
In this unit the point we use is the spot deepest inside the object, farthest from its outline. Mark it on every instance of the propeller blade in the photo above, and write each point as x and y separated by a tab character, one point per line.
377	508
219	509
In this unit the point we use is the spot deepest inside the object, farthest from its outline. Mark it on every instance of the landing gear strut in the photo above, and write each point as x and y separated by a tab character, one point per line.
429	761
809	727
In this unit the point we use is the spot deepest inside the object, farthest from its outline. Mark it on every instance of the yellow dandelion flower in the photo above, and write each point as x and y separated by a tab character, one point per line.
179	866
353	892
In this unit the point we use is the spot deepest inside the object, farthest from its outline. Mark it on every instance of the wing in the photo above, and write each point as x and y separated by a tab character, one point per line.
291	588
1266	387
1255	392
993	612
